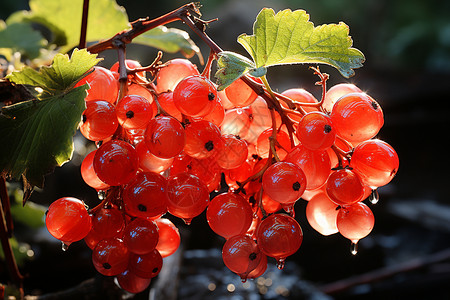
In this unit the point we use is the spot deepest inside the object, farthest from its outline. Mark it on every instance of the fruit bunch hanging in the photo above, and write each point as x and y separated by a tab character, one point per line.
168	136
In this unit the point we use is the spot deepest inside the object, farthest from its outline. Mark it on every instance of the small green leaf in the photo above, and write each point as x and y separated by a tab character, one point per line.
31	215
38	133
232	66
20	37
288	37
63	18
169	40
60	76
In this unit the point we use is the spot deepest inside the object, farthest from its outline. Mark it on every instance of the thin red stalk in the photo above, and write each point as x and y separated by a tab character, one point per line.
123	75
201	33
6	204
14	272
84	20
207	71
260	203
140	26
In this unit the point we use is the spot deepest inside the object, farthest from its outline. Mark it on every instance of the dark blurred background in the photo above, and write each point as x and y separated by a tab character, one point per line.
407	70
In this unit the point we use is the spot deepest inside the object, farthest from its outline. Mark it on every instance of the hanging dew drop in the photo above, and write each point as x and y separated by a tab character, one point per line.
243	279
187	221
280	263
354	248
374	196
65	246
101	195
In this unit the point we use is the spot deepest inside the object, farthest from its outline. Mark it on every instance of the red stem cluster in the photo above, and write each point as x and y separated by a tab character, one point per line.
190	15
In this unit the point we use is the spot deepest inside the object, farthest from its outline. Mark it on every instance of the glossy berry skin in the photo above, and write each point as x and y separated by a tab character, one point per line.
108	222
146	195
116	162
217	115
132	283
67	219
315	131
302	96
357	117
203	139
263	143
375	161
336	92
284	182
141	236
233	153
110	257
241	255
166	101
279	236
315	164
321	214
195	96
165	137
355	222
188	196
344	187
260	268
103	85
88	174
229	214
146	265
148	162
99	120
174	71
169	237
134	112
235	122
240	94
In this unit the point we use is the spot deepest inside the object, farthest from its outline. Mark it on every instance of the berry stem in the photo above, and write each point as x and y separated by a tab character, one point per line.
6	204
260	203
323	82
140	26
5	234
84	20
207	71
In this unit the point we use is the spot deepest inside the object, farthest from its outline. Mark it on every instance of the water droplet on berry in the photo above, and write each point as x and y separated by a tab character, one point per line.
280	263
243	279
374	196
101	195
187	221
354	248
65	246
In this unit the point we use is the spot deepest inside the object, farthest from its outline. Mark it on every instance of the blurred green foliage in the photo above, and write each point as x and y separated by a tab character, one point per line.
393	34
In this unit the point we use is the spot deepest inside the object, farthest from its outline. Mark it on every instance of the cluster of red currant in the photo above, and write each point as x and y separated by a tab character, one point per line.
164	148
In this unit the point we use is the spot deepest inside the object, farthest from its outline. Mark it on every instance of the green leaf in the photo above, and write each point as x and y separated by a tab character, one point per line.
63	18
288	37
169	40
31	215
60	76
231	66
20	37
38	135
39	132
